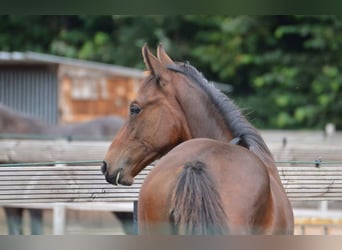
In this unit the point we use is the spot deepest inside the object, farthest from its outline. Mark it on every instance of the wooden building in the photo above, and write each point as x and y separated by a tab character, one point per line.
62	90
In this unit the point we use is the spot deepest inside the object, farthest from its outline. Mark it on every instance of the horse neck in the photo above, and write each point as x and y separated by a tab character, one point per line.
203	119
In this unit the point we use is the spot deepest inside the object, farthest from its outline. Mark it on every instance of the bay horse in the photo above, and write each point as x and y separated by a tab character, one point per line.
216	175
19	123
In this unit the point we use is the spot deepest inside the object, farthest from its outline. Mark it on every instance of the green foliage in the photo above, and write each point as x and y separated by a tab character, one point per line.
305	77
286	70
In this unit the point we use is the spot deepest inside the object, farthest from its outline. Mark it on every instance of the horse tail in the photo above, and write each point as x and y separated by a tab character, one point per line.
196	205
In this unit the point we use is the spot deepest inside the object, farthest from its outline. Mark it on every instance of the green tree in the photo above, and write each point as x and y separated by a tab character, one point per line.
286	67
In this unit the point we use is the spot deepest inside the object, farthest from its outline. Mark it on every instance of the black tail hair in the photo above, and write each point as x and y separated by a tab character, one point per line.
196	205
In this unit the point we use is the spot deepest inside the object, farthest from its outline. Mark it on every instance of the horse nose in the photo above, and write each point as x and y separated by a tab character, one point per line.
104	167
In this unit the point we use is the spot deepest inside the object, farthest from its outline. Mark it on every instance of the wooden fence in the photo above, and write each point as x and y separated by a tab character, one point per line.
82	186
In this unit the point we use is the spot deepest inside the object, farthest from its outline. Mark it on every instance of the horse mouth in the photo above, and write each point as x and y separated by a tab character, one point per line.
115	178
119	178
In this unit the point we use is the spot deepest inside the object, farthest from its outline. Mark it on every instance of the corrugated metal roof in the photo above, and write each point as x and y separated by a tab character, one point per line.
39	58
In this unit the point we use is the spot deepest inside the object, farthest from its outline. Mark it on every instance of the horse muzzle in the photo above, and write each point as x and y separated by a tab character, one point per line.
118	176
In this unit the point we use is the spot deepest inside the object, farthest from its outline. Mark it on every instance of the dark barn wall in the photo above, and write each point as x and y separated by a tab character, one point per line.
31	89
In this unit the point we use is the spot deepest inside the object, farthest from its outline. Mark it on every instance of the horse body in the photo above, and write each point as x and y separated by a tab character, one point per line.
175	105
243	184
106	126
19	123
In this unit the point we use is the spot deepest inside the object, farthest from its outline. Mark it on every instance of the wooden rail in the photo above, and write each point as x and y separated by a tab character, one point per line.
312	183
51	150
49	184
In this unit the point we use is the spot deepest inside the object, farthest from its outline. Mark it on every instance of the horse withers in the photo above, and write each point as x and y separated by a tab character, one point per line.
235	188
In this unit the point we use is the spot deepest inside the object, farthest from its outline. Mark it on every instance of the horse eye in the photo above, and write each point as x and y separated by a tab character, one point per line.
134	109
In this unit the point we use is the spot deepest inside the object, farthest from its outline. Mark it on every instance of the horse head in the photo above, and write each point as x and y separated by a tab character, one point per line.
156	123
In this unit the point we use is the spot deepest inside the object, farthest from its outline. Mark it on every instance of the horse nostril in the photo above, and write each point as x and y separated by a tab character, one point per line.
104	167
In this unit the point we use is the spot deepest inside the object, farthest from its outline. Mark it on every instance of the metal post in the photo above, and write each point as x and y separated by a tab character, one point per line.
36	216
58	219
323	206
302	229
135	217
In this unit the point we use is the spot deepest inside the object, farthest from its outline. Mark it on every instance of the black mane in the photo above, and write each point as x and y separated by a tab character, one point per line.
232	115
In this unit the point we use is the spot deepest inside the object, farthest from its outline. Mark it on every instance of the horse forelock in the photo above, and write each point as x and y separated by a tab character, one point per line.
233	117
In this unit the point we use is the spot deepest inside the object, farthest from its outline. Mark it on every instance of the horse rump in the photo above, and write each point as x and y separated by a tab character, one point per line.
196	205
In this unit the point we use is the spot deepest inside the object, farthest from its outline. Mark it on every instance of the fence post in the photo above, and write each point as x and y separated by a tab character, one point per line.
323	206
135	217
58	219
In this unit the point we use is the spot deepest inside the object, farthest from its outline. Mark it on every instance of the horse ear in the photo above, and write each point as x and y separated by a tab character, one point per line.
152	63
163	57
